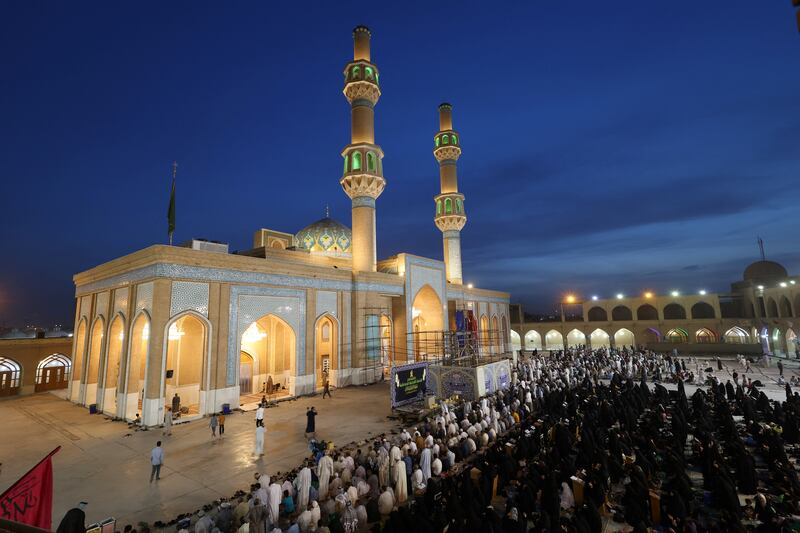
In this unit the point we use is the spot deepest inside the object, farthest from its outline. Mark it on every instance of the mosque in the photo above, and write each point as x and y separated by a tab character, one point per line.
216	327
760	314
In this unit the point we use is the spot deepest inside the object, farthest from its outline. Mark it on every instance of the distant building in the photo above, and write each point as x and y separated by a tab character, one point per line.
760	314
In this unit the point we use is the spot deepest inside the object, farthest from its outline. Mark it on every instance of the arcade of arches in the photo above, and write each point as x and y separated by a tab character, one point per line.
34	365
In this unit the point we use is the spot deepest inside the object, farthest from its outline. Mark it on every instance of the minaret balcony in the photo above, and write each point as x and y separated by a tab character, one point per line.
447	146
450	222
450	205
360	185
361	82
363	158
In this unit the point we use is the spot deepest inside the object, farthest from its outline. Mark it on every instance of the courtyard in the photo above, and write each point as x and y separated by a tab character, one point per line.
107	464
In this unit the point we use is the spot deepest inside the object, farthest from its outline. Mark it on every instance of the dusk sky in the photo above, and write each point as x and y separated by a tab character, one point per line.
607	146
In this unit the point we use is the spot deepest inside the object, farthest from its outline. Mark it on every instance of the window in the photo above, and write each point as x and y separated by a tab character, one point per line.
455	139
326	332
437	142
459	206
373	337
448	206
371	161
356	72
369	73
356	161
445	139
438	207
345	164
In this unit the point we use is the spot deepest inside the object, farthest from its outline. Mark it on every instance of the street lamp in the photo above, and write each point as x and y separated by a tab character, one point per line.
648	294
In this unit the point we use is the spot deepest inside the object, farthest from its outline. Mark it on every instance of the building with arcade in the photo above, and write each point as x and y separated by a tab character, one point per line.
760	314
217	327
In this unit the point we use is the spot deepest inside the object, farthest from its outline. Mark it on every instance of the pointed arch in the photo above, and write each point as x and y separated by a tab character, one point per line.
576	338
10	376
448	206
772	308
703	310
652	335
792	346
326	347
600	339
621	312
554	340
677	336
785	307
356	159
737	335
371	166
624	337
705	335
137	360
597	314
674	311
646	312
52	372
79	359
272	342
94	353
533	340
111	365
516	341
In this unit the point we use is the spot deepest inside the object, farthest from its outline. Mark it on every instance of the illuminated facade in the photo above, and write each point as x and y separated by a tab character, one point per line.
217	327
761	314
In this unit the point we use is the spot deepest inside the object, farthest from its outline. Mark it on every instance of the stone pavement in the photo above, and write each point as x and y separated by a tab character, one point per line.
101	461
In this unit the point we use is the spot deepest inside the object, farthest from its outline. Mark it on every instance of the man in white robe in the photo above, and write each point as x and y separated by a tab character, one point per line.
386	501
324	473
275	495
425	464
259	449
303	483
400	487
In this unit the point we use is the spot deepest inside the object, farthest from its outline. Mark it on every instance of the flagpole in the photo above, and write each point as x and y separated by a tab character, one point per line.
171	209
45	458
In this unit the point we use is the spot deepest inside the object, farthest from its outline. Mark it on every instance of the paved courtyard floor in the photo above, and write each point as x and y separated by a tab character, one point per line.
103	462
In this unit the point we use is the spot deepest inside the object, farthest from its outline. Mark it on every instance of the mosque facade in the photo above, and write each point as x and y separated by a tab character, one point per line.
760	314
299	307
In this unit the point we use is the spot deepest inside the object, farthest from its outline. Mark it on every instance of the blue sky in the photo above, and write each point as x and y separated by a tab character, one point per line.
608	147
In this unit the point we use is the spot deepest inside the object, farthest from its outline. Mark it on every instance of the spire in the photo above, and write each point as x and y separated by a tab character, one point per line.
761	248
327	211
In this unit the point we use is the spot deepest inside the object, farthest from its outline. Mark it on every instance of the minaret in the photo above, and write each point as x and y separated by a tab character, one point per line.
363	159
450	215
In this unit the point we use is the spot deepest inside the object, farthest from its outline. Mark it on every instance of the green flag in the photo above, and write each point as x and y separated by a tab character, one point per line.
171	208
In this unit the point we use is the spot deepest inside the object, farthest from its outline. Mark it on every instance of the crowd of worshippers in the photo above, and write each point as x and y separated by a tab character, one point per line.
578	439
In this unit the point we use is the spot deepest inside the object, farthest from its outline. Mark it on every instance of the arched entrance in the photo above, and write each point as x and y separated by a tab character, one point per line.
624	337
737	335
576	338
326	347
600	339
52	372
495	335
777	342
138	350
533	341
78	354
93	366
553	340
246	382
427	323
652	335
484	325
270	341
705	335
677	336
9	377
186	367
792	346
110	382
516	341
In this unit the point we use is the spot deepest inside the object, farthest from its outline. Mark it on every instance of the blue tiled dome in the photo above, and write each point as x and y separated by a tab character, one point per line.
326	236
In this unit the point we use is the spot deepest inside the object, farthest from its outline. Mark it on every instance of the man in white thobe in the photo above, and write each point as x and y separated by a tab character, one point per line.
400	488
425	464
303	485
275	495
324	473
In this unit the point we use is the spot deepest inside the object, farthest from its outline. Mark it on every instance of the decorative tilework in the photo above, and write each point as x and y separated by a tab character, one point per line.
101	304
189	295
248	304
420	271
326	303
456	293
173	271
144	297
364	201
121	300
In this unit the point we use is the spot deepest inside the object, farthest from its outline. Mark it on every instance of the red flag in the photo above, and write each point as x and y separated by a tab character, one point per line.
30	499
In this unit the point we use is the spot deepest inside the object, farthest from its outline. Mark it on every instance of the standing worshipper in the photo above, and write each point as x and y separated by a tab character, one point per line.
303	487
260	415
221	419
400	480
274	506
259	449
176	403
213	423
156	460
257	517
425	463
311	415
326	388
167	423
74	520
324	473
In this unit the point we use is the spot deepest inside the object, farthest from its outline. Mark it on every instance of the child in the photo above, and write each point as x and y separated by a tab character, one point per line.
288	503
221	420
